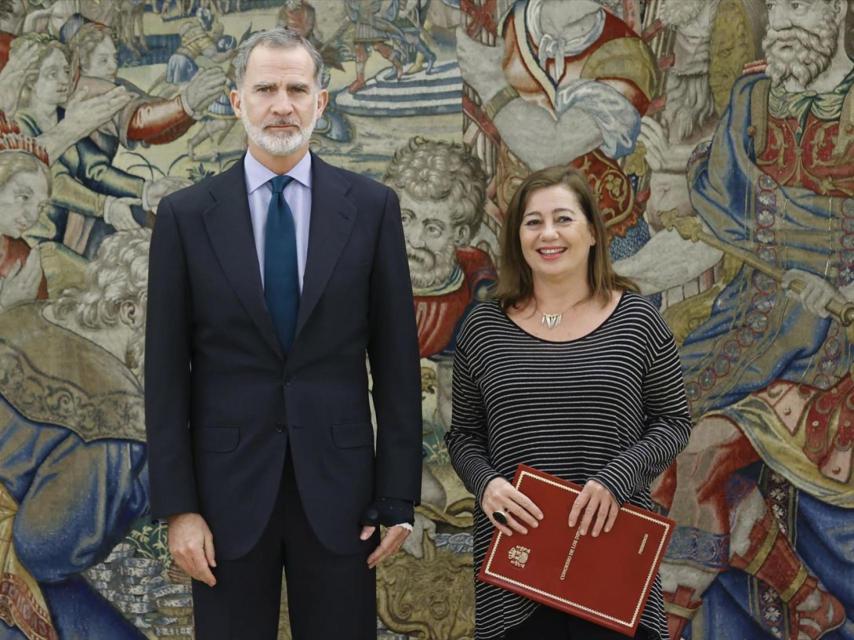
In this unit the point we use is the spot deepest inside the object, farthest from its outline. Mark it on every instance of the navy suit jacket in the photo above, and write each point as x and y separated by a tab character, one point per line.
224	404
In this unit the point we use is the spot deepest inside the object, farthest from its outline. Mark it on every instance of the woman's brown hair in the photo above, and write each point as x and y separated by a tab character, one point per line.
515	281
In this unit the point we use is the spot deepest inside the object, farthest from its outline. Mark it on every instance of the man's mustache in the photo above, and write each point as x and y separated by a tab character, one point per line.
420	256
281	123
794	35
789	34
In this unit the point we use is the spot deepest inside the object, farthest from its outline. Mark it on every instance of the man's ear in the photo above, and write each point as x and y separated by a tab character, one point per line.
322	101
234	97
462	235
130	314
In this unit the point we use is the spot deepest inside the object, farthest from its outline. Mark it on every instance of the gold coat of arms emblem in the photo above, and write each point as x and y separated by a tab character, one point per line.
518	556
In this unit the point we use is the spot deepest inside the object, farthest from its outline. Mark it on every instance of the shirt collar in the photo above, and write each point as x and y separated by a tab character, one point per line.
258	175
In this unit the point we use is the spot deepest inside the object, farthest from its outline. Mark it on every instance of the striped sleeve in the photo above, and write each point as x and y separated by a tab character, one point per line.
668	426
467	438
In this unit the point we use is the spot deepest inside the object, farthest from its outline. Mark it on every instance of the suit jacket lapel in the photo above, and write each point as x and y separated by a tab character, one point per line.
229	227
332	218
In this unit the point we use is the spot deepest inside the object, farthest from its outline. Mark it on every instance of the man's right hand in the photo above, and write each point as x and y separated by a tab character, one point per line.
191	546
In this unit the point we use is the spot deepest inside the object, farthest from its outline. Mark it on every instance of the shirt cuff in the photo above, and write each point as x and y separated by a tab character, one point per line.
389	512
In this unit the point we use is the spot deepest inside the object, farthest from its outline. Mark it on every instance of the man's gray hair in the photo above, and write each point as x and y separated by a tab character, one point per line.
275	38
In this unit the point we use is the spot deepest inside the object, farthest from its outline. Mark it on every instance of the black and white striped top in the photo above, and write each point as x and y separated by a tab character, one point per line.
610	406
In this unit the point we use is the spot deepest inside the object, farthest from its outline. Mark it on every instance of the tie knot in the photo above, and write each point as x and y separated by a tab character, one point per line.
278	183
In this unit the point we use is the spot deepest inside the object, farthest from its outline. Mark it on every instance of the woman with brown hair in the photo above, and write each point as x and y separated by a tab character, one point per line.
571	372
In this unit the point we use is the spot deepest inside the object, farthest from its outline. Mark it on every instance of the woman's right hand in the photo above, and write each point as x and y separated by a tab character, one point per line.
519	511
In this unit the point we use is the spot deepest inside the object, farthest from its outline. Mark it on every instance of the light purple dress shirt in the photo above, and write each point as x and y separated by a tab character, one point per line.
297	195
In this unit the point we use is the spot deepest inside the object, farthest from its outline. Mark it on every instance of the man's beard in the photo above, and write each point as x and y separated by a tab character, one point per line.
282	144
427	269
809	54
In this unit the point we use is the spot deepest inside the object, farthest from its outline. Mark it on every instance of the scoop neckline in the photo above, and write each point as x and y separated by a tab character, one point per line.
572	340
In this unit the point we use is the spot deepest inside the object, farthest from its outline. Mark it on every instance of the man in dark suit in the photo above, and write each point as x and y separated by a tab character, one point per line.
268	286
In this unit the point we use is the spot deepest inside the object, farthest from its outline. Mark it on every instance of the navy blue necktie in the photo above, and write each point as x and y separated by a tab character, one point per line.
281	270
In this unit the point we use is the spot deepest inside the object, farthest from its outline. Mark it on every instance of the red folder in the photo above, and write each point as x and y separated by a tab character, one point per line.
605	580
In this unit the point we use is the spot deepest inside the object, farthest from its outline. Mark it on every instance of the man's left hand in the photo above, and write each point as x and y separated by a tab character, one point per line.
390	543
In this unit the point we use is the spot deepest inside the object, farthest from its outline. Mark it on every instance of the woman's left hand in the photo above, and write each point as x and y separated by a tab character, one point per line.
596	502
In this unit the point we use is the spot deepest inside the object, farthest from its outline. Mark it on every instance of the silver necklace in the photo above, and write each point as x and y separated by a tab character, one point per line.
552	320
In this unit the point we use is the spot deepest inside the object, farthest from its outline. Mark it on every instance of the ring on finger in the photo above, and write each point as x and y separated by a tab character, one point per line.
499	517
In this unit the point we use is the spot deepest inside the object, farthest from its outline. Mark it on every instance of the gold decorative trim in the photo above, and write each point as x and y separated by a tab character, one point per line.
759	115
763	552
797	583
680	611
499	101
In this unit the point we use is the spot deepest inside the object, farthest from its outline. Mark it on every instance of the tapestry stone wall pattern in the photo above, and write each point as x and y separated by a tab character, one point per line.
718	136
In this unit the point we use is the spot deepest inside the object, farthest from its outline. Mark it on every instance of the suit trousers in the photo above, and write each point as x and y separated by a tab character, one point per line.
329	595
550	624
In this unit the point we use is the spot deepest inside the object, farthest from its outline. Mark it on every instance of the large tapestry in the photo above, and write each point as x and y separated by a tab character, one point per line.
718	136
